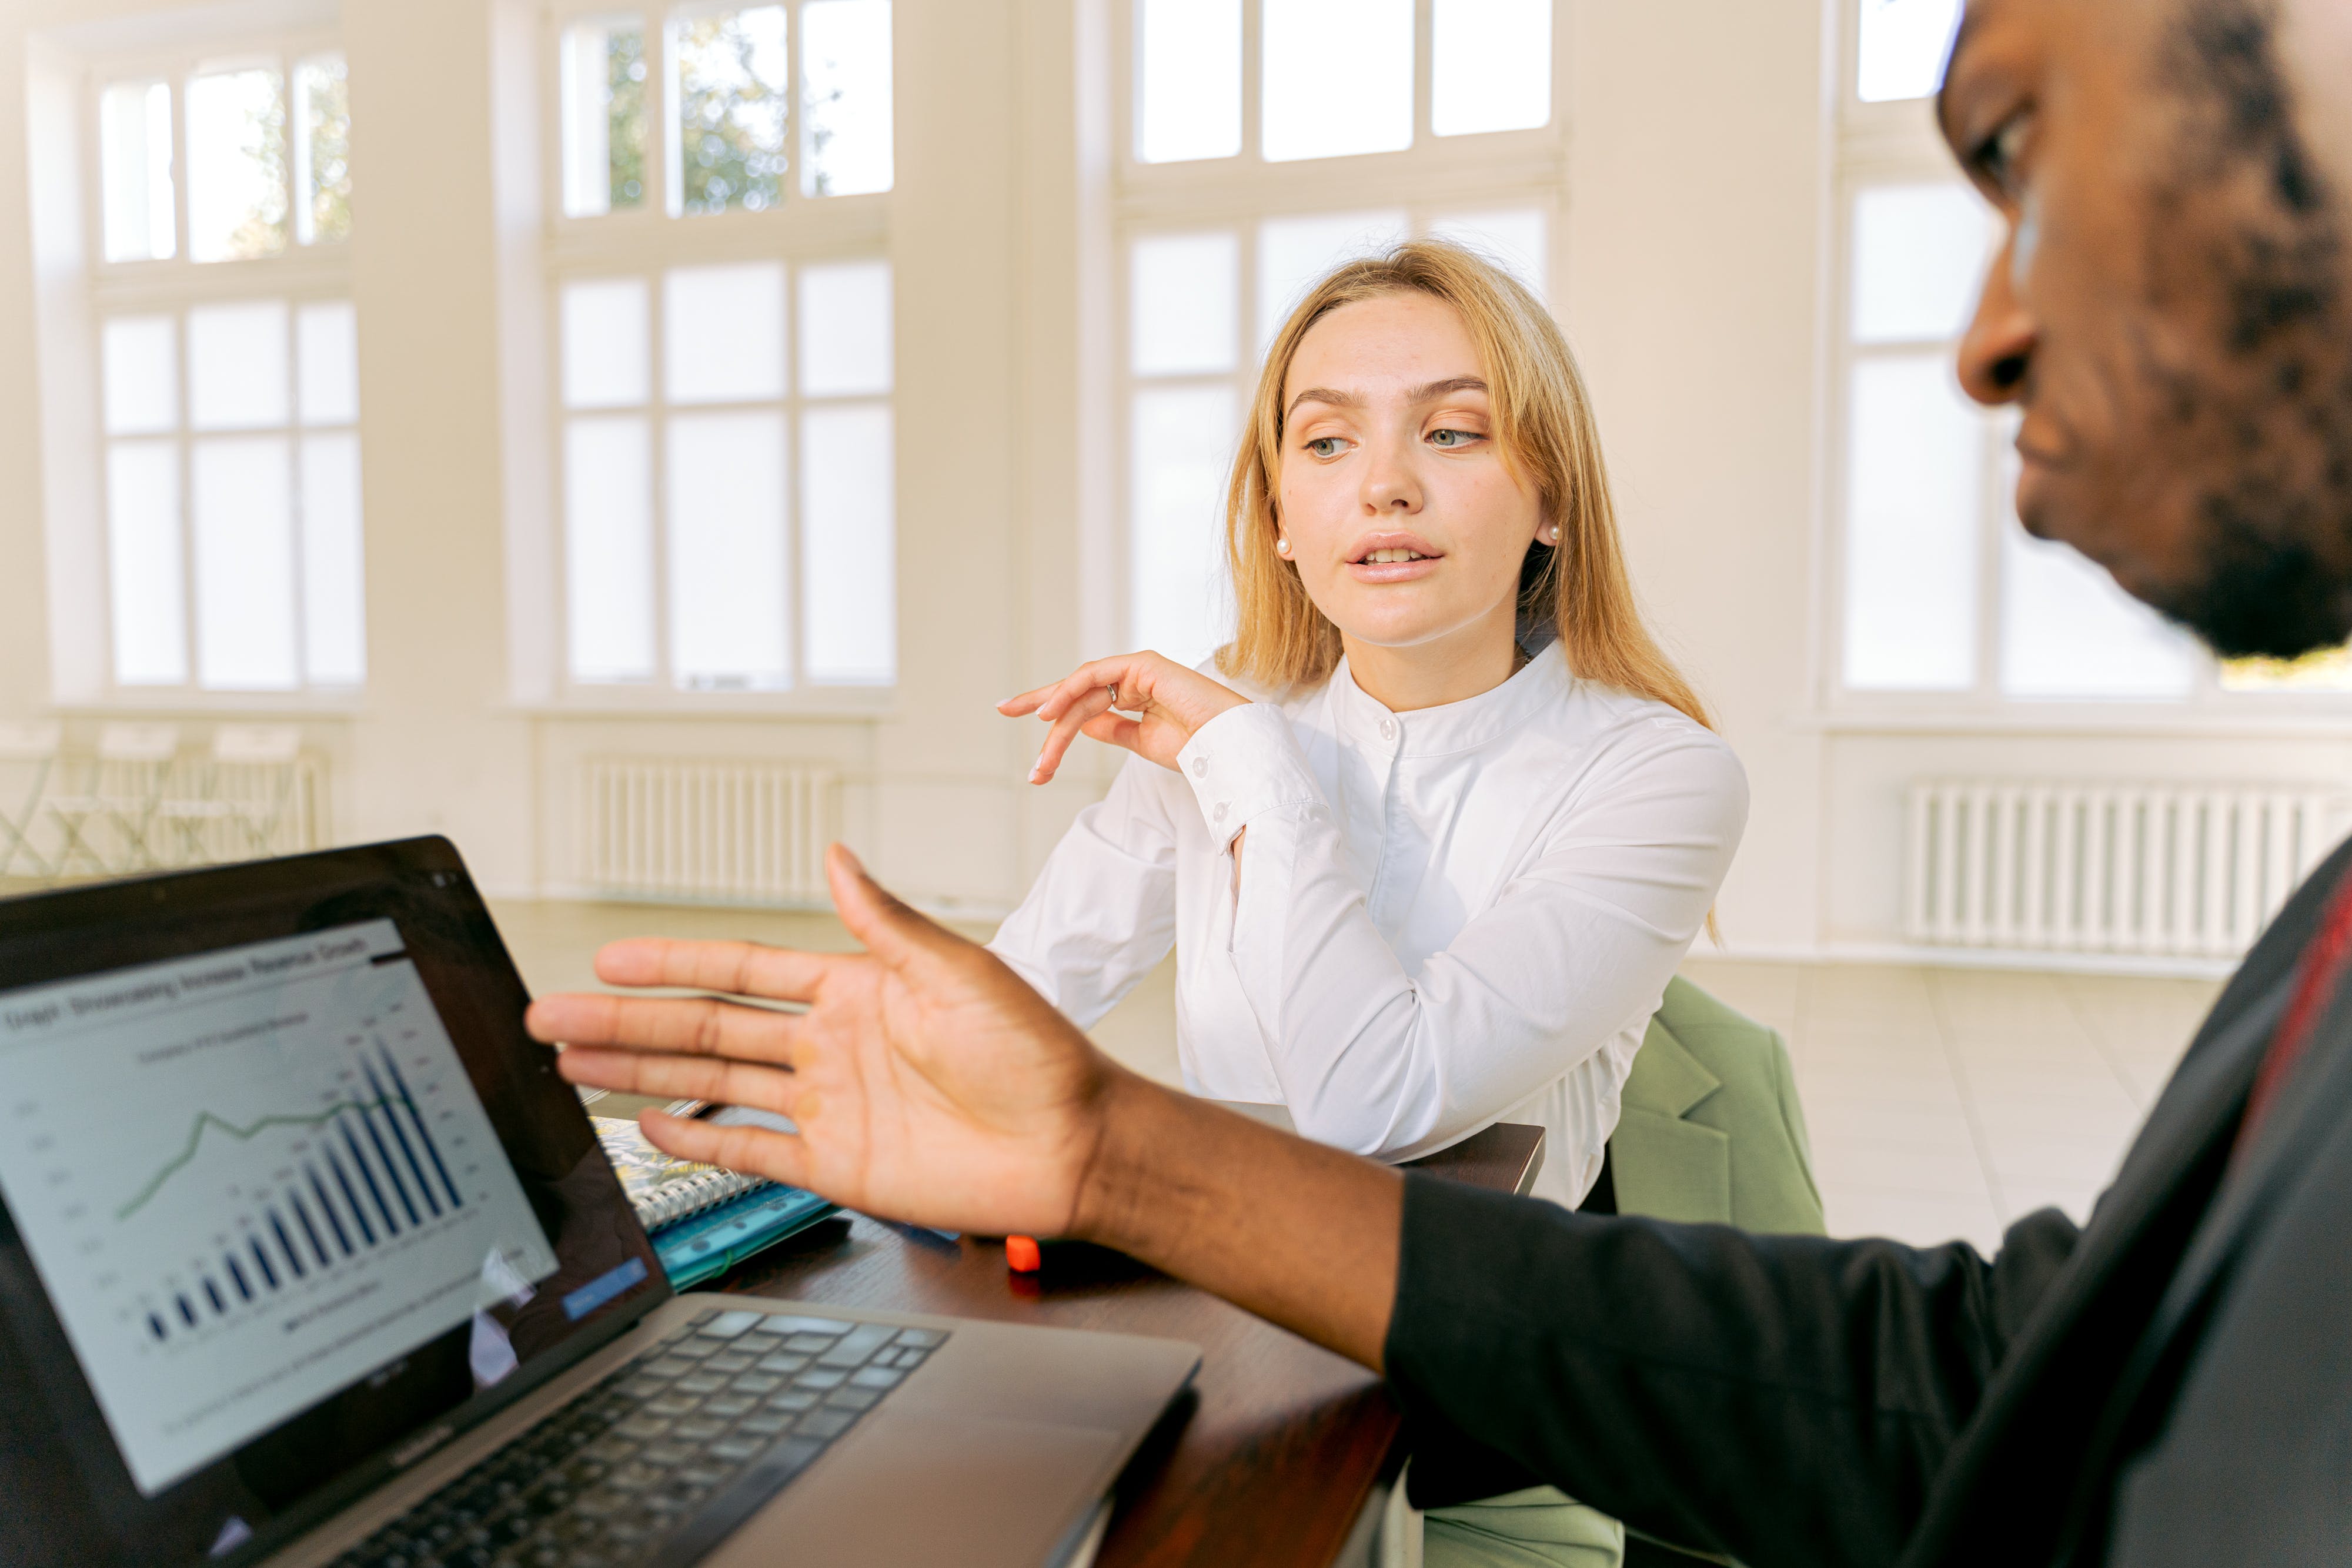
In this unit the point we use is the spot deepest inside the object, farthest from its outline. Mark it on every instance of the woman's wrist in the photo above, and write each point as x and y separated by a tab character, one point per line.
1169	703
1242	764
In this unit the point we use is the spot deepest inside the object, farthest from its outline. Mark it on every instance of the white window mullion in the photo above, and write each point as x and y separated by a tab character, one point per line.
1252	82
181	229
186	442
1247	313
796	144
665	671
299	577
661	98
799	591
557	457
1423	54
1992	572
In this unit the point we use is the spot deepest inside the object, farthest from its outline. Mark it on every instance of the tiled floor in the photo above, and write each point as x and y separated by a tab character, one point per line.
1942	1103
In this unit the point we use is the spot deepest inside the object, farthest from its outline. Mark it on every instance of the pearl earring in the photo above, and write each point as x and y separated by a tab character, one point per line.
1282	548
1552	534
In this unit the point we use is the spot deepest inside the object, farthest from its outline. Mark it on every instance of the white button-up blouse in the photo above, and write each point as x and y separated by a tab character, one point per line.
1444	918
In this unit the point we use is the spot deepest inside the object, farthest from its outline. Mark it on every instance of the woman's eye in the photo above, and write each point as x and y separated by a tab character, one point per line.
1324	446
1452	437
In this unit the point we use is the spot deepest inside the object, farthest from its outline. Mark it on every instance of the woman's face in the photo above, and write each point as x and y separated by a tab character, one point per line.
1407	529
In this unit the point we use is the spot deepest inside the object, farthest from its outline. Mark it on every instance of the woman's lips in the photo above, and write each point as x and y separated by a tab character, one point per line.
1393	570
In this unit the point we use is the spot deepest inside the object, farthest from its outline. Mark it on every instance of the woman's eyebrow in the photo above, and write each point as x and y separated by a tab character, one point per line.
1327	395
1436	390
1428	394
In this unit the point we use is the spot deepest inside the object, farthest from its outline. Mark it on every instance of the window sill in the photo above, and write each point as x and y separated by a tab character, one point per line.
840	703
223	705
2203	721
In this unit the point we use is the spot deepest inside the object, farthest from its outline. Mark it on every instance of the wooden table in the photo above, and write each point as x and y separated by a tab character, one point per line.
1273	1454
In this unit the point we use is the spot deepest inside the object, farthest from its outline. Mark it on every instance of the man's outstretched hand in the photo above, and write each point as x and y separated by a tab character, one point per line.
929	1083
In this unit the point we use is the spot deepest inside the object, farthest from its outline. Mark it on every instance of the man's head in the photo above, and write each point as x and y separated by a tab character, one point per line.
2172	310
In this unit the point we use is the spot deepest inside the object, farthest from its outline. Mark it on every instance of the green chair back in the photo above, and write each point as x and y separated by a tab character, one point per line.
1712	1131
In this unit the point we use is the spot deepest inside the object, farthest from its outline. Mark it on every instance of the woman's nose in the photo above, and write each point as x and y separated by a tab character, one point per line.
1389	483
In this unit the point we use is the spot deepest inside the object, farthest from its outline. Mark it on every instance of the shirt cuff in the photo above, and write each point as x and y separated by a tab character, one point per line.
1242	764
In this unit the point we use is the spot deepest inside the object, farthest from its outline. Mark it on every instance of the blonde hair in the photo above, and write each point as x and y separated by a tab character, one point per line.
1544	432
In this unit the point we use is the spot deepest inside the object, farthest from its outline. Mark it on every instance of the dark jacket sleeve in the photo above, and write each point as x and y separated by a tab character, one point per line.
1782	1399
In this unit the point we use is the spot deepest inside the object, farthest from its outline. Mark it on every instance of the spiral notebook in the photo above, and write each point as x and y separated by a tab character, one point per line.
663	1188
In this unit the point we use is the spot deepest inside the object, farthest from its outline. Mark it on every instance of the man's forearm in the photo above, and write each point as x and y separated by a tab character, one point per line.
1301	1234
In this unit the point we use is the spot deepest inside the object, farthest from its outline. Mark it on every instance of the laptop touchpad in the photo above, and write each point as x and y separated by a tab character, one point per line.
920	1488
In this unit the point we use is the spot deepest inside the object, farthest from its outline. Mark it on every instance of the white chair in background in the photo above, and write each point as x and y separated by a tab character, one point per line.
126	782
241	795
29	754
264	760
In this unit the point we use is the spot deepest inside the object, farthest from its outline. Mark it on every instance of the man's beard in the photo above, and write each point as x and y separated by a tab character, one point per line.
2260	594
2276	524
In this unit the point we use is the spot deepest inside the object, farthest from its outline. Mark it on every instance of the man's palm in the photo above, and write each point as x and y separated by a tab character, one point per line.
926	1082
944	1090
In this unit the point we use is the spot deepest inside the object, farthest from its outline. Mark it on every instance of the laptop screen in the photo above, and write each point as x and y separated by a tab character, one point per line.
287	1190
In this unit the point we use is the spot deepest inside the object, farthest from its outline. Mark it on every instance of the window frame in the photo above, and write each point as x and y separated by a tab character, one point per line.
844	220
642	242
1434	178
1897	142
299	274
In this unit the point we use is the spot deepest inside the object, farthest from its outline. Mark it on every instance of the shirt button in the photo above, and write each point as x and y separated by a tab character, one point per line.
1388	729
1200	767
1221	810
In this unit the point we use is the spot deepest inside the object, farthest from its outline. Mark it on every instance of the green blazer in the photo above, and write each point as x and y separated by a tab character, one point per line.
1711	1130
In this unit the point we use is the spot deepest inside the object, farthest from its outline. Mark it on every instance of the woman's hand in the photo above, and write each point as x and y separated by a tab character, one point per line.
1169	703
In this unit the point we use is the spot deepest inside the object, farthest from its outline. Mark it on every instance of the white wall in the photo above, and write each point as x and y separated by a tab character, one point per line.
1698	148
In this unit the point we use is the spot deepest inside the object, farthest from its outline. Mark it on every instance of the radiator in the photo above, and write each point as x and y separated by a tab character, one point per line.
742	833
2192	871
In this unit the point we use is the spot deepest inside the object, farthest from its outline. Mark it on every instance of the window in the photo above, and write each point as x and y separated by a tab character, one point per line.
1942	595
1335	76
710	115
678	472
1900	47
1228	218
726	441
229	410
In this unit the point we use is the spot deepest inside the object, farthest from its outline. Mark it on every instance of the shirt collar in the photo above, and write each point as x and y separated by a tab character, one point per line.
1364	724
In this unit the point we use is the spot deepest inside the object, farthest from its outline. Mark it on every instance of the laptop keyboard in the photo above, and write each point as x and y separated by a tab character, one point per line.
659	1462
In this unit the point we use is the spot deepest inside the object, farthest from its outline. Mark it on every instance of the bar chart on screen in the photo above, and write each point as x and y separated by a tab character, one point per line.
240	1172
309	1210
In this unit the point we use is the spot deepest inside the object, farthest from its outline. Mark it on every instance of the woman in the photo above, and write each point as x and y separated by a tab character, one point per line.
1433	832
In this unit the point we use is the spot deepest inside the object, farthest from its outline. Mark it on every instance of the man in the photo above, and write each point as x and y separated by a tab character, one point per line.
2171	1384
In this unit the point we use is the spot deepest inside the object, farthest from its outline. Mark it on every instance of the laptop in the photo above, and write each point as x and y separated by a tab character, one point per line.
308	1256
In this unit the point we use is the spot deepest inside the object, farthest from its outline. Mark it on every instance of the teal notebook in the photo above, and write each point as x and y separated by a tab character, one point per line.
715	1240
